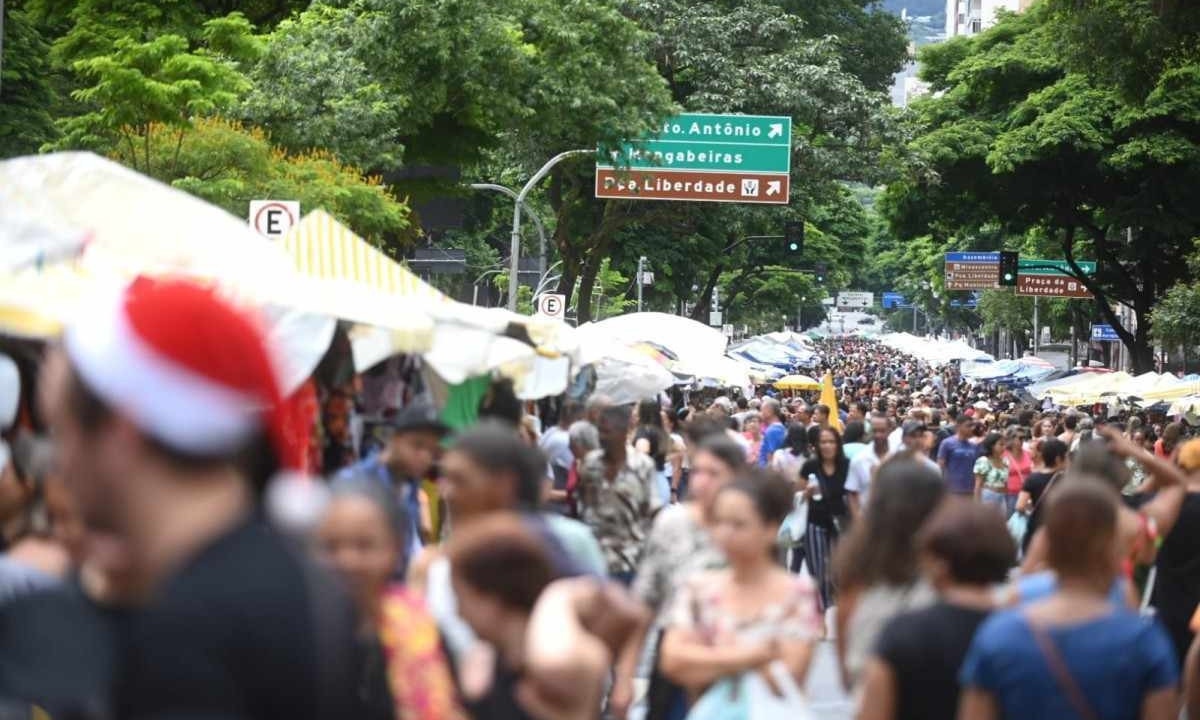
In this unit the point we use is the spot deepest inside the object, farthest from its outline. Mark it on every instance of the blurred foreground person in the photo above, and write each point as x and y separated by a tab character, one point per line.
1076	654
168	423
618	496
680	546
36	514
488	470
965	549
404	674
754	617
411	452
553	644
876	565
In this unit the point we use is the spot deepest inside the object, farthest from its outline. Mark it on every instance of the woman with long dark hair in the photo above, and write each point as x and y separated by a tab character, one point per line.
794	453
824	478
876	565
652	440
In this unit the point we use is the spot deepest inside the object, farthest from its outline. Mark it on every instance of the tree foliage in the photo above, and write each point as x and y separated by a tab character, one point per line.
26	93
1018	141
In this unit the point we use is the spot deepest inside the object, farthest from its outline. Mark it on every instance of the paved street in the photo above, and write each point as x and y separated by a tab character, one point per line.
824	689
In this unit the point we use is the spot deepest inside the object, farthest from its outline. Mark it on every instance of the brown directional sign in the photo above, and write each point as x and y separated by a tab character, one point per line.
733	187
1051	286
971	276
972	270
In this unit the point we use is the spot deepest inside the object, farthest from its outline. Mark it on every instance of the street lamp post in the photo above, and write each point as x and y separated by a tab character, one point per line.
640	269
515	249
475	285
537	221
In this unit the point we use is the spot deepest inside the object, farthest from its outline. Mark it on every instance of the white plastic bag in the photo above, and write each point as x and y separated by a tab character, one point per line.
793	527
764	704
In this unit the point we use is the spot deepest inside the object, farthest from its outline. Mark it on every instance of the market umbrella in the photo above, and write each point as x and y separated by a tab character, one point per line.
137	225
797	382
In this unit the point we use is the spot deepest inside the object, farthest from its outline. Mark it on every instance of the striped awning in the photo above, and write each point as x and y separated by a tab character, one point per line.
324	249
344	276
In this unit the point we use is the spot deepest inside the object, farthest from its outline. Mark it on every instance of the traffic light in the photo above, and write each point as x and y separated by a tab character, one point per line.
820	270
1009	262
793	238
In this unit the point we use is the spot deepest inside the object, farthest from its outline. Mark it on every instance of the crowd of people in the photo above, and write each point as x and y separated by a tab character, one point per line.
966	554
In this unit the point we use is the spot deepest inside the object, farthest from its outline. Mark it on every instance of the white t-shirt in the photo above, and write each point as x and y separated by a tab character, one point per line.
896	440
862	468
556	443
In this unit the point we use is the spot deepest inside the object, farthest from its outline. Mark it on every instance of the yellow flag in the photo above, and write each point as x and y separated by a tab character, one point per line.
829	400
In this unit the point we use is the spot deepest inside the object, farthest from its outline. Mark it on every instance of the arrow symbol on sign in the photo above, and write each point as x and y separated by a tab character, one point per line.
775	131
774	187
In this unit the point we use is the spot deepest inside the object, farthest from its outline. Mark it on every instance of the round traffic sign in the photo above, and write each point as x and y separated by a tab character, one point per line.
552	305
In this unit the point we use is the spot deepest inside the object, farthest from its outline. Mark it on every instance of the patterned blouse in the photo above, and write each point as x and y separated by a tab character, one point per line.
678	548
995	478
698	607
619	511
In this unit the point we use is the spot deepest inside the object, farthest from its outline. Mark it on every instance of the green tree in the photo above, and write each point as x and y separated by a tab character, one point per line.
26	93
1175	318
145	87
733	58
872	42
1016	141
229	165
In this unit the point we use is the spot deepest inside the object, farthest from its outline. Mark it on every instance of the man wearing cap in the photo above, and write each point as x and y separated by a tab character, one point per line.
956	458
915	444
412	450
169	423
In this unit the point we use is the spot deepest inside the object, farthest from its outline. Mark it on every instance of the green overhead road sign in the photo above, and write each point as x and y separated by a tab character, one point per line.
1034	266
696	156
701	155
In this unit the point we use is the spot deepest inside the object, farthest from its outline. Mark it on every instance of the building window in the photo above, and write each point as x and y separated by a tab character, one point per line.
976	25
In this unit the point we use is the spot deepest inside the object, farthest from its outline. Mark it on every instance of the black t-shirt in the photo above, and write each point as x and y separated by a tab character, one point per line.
500	701
246	629
60	651
1035	485
925	649
1177	586
833	493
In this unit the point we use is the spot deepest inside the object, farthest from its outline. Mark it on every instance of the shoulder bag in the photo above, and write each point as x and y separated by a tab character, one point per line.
1062	674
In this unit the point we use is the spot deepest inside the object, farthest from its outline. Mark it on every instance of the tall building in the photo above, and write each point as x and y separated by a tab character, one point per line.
970	17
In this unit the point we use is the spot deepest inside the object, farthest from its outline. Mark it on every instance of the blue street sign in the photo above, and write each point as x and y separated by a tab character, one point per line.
891	300
1104	333
973	257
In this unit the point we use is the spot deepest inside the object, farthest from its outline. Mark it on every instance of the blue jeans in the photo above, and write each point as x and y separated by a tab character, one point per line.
996	499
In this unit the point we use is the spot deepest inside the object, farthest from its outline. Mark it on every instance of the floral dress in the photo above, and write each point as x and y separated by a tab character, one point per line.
698	607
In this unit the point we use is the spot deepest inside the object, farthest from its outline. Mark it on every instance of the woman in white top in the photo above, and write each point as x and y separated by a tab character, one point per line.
788	459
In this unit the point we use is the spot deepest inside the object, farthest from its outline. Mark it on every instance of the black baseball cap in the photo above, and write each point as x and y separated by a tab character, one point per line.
419	417
912	427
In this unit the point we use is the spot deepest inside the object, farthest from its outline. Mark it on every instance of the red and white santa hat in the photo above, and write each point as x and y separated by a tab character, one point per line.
185	365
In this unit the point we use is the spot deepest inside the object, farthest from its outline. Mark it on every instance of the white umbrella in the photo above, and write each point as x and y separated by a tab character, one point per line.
135	224
689	340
